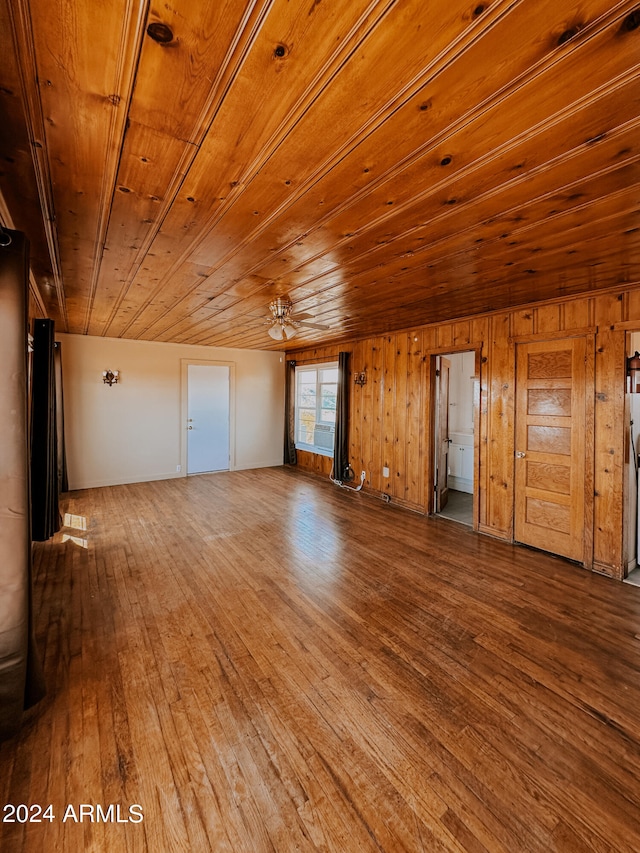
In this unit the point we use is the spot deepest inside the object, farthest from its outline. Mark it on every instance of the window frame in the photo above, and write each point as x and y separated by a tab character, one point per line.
316	368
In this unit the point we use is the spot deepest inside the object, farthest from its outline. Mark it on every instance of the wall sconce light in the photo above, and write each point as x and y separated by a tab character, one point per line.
633	372
360	378
110	377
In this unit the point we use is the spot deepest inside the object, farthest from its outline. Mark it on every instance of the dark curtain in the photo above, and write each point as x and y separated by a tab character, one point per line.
21	679
63	482
341	468
45	514
290	455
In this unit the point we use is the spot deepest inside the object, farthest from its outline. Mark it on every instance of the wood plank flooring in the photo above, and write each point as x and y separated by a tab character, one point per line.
264	662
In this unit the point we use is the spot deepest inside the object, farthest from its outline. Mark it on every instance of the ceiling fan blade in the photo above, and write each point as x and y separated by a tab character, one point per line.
317	326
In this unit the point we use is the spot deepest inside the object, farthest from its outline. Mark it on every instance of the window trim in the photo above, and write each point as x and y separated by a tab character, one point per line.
313	448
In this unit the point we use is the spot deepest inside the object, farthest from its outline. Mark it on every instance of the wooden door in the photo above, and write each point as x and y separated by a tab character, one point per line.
442	434
550	485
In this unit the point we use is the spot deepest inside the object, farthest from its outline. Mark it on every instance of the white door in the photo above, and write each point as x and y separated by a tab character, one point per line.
207	418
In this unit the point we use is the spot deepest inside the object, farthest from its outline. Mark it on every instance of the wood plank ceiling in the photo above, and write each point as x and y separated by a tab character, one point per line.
382	164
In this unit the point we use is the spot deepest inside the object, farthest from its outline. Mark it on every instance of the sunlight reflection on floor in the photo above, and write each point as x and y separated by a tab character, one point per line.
75	522
78	522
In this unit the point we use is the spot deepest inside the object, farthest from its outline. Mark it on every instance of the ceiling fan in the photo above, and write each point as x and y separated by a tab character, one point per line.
284	325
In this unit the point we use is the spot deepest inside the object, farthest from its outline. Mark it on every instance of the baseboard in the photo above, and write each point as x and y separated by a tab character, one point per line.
173	475
460	484
99	484
609	571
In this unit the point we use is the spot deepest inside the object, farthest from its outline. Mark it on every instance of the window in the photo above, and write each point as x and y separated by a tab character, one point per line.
316	392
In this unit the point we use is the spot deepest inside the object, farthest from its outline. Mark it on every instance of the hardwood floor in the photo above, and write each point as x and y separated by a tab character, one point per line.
263	662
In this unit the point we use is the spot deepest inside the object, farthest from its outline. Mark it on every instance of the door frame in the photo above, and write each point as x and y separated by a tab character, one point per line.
630	525
433	427
440	491
184	403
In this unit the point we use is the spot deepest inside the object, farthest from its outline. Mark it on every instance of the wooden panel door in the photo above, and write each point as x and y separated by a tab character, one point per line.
550	446
442	434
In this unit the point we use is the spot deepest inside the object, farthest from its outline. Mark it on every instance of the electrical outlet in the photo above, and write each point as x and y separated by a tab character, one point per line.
178	469
363	476
385	471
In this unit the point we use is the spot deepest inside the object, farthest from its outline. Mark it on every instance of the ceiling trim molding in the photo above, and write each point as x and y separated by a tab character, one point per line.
6	220
22	32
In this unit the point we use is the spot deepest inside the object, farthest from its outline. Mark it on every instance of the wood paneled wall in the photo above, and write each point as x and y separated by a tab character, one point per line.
391	417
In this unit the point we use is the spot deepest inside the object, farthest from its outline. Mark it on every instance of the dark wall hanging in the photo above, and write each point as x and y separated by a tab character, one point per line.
290	454
45	518
341	468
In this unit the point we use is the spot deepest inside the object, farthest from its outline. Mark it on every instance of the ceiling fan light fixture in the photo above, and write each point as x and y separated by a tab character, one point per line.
276	332
289	330
280	308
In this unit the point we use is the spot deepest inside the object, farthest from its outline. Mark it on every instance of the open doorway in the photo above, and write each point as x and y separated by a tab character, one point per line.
454	436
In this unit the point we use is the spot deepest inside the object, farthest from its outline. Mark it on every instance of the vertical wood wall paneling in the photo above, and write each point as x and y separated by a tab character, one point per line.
416	425
367	410
609	431
482	430
355	411
401	368
391	389
500	429
589	451
547	318
633	306
444	336
428	429
461	334
375	440
579	314
480	337
399	471
521	323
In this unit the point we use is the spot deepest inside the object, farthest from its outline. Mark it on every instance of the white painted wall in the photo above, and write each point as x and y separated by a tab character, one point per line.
461	391
134	431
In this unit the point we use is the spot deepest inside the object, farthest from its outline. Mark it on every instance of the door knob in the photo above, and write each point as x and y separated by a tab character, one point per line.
520	454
